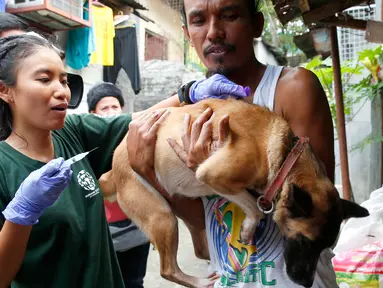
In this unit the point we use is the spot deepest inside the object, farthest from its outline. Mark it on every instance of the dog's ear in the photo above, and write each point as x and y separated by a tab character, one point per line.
299	202
351	209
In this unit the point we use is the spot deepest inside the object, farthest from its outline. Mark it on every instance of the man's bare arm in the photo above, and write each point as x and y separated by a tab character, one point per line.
305	106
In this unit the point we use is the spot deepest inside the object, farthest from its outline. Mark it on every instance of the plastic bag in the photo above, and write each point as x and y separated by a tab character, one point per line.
358	260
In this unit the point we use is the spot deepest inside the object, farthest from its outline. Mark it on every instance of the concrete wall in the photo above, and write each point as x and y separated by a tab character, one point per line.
160	80
167	23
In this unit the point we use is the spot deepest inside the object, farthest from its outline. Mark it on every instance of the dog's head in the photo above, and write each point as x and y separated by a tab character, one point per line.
309	214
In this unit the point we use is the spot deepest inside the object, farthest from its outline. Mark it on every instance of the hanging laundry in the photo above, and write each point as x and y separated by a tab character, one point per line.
126	57
80	44
104	31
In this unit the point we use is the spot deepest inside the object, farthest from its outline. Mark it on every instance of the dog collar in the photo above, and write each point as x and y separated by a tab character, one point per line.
265	202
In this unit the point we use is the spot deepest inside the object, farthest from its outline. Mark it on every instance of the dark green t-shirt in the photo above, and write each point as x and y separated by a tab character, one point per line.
71	244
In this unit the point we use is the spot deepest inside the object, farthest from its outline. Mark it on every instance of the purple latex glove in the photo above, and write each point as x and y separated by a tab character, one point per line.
217	86
37	192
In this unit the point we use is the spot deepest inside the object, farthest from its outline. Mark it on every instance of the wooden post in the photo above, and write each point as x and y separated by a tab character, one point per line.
346	186
376	176
381	10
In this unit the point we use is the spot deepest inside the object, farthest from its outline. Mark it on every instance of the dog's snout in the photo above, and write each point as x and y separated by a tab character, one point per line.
301	276
307	283
301	256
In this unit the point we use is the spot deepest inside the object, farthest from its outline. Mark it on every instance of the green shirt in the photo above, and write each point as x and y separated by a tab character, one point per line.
71	244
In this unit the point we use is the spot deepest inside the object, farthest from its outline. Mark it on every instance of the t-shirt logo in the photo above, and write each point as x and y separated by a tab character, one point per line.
86	181
230	218
239	262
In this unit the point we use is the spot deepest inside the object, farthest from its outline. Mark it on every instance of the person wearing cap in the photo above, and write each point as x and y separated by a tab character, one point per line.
105	99
130	243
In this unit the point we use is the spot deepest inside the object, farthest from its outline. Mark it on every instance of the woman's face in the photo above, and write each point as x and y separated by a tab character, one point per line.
41	95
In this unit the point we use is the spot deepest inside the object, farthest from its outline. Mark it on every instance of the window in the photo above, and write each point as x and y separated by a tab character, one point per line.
155	47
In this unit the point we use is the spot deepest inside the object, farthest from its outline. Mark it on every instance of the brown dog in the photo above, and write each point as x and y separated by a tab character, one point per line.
308	208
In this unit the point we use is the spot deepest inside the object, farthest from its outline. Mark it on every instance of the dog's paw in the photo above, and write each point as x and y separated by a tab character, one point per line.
246	237
248	230
208	282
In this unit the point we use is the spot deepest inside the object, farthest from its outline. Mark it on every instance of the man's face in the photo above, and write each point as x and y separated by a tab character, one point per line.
108	106
222	32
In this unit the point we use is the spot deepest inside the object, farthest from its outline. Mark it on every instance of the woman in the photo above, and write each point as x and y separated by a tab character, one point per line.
53	227
69	245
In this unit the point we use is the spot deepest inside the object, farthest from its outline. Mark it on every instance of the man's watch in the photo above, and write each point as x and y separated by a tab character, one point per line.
183	93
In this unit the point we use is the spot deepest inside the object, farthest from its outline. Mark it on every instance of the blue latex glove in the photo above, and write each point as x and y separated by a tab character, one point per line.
217	86
37	192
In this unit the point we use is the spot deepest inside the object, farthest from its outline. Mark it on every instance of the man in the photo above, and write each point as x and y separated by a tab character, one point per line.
222	33
131	245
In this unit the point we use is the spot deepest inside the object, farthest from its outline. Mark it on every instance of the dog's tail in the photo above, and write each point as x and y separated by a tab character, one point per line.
108	186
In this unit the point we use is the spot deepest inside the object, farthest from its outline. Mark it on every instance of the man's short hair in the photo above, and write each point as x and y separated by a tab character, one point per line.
254	6
11	22
99	91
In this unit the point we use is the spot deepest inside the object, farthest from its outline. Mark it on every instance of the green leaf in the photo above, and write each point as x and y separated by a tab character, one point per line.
370	139
370	53
314	63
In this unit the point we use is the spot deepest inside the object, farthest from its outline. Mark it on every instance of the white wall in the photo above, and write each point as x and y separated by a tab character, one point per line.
379	6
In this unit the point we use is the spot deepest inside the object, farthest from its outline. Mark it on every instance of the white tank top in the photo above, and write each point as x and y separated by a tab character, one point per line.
260	265
265	93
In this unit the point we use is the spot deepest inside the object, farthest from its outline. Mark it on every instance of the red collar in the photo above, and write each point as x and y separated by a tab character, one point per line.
266	201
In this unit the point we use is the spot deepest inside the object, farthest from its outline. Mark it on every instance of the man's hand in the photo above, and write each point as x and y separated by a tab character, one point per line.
198	143
141	141
217	86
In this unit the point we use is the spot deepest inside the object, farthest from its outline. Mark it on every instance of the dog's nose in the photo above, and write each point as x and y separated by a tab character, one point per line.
307	283
301	277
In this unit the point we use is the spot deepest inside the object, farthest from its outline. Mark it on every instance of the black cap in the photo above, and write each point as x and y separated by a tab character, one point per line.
99	91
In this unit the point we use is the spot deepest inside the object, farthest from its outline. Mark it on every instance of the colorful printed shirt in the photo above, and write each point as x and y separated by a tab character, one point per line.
260	265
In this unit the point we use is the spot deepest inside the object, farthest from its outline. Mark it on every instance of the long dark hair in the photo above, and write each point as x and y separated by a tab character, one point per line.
13	50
